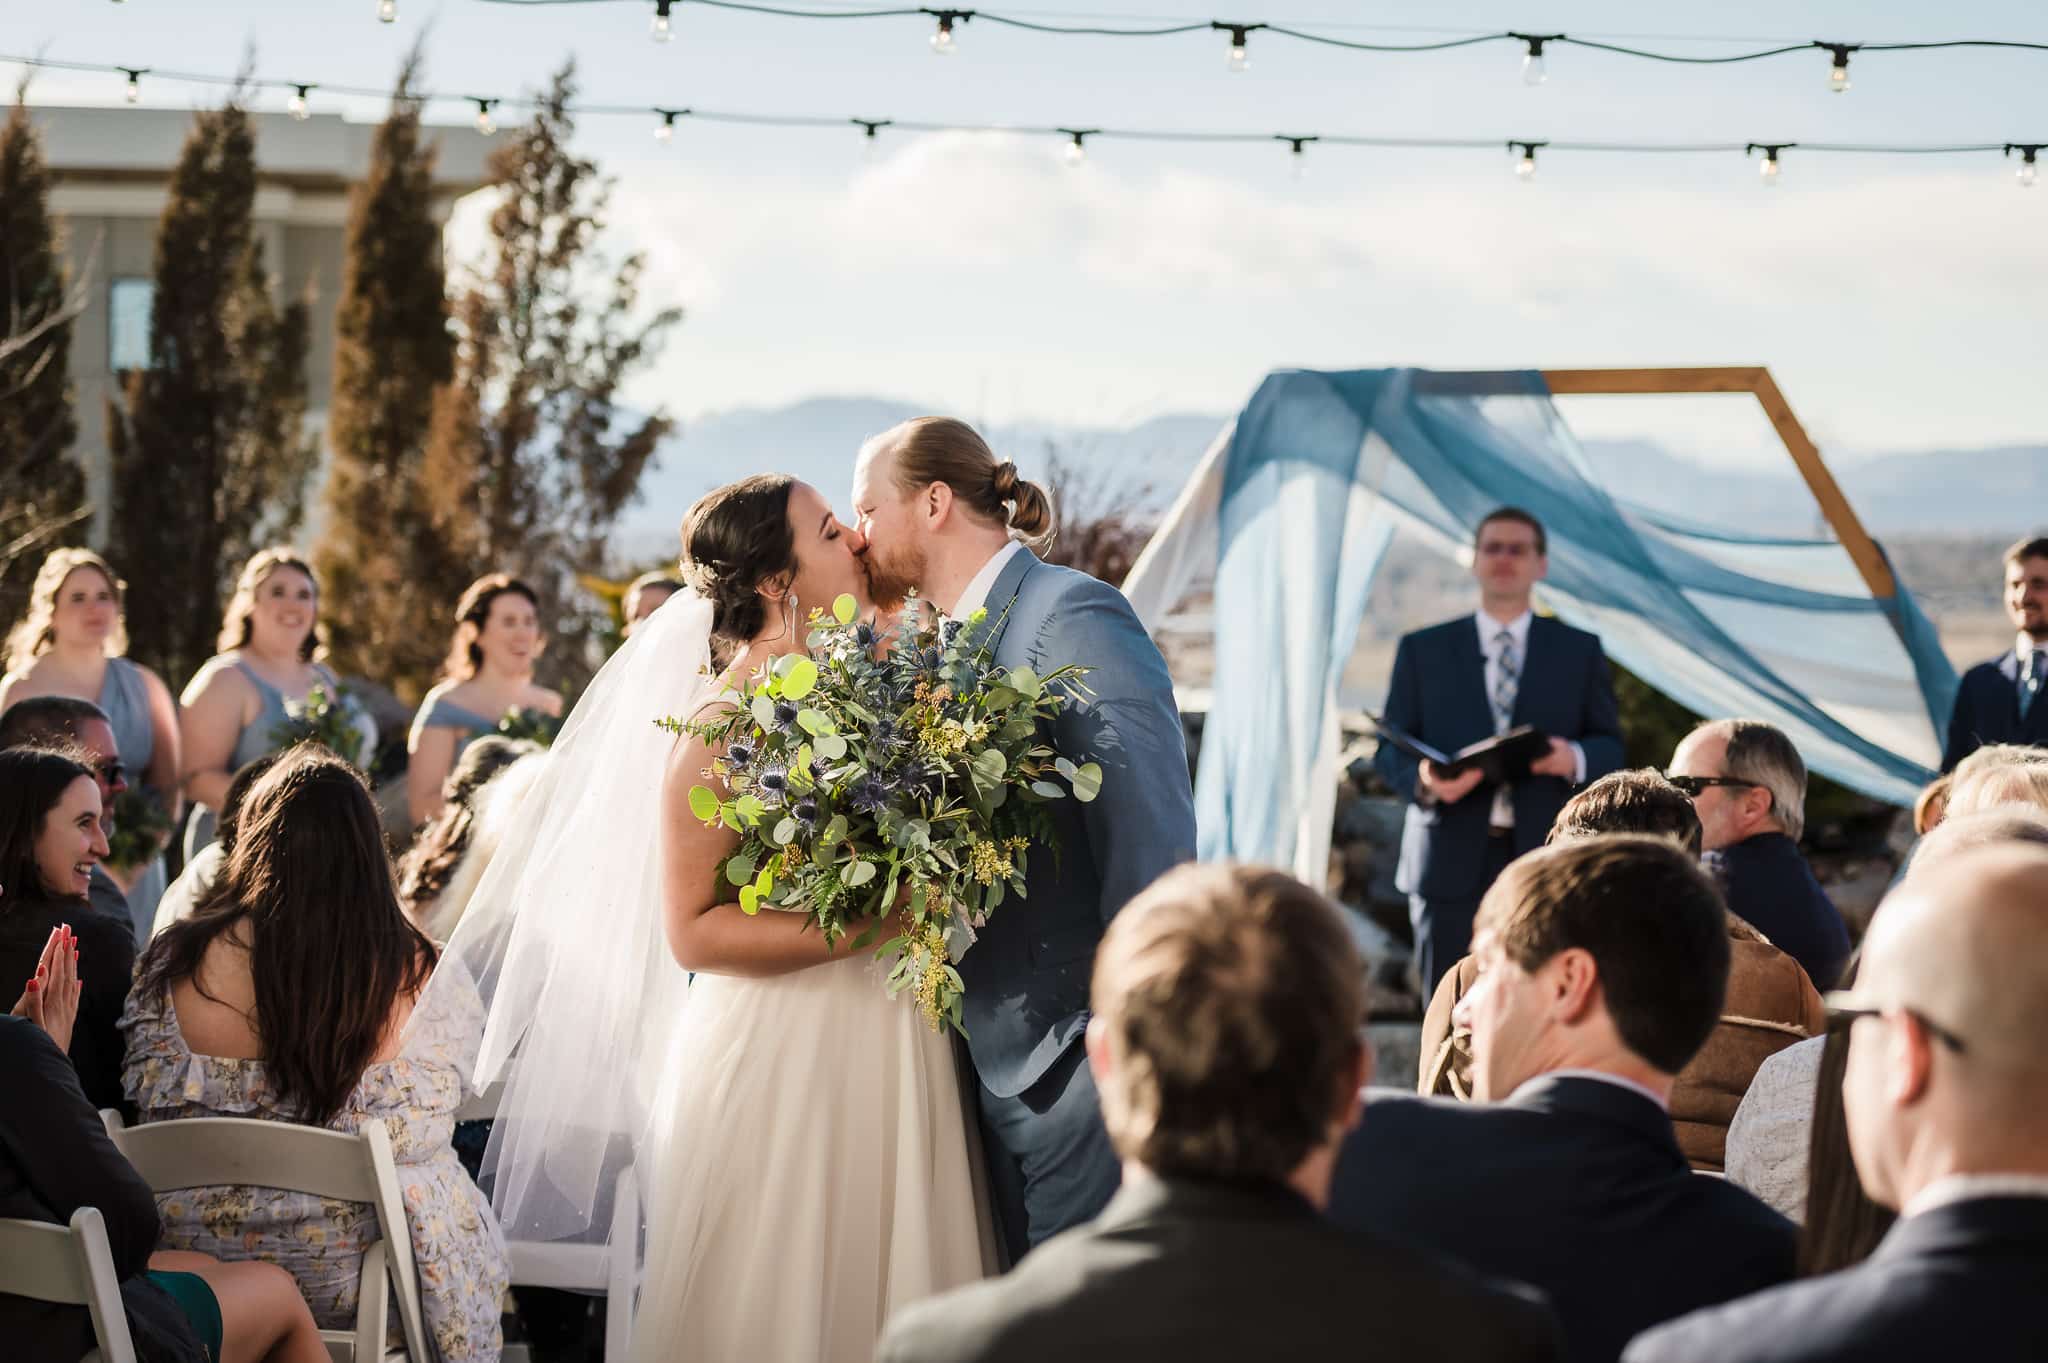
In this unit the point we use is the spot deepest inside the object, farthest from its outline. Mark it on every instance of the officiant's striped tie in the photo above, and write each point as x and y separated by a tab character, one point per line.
1506	682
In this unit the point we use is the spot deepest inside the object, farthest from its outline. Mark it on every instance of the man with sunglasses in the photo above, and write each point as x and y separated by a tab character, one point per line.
1943	1098
82	729
1748	784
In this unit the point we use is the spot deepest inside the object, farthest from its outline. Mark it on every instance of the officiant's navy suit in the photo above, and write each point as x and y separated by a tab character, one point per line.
1987	711
1438	694
1026	1006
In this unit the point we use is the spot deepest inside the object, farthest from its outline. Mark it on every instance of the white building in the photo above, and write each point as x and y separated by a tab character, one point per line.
110	171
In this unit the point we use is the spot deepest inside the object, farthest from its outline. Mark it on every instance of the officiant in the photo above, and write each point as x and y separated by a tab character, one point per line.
1470	679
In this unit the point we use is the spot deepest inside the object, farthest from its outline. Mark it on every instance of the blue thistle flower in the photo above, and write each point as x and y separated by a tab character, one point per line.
870	795
739	755
773	783
805	812
864	636
885	734
785	715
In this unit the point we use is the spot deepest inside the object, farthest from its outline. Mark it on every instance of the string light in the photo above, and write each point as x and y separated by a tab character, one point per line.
1532	62
1838	73
942	41
662	29
1239	33
134	91
1077	147
484	122
870	144
296	105
1768	171
387	11
1297	163
1525	166
2027	150
666	132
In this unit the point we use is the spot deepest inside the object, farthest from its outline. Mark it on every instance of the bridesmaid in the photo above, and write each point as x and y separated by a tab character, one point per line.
489	670
72	643
235	705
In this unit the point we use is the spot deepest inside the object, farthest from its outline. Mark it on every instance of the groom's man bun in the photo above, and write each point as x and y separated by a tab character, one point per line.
939	449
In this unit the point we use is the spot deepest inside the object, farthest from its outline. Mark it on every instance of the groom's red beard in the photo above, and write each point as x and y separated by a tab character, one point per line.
892	577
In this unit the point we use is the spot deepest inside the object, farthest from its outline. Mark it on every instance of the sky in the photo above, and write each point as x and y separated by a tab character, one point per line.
1899	300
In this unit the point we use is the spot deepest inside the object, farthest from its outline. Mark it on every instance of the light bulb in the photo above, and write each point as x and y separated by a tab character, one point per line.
1238	60
1532	68
666	133
484	123
387	11
134	90
1297	166
1076	153
2026	173
296	105
662	30
1769	171
1525	169
1838	77
942	41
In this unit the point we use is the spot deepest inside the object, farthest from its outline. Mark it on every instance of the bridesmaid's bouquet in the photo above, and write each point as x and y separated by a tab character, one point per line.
530	725
325	717
902	786
142	825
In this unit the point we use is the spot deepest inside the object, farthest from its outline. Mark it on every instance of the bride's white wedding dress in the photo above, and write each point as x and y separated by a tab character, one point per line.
800	1141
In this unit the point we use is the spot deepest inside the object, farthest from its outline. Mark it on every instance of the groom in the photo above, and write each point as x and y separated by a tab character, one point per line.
937	511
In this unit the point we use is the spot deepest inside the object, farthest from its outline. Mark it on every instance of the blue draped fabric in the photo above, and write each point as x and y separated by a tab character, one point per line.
1323	467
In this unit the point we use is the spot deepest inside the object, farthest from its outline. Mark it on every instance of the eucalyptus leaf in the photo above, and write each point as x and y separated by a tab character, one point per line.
703	803
739	868
1047	790
785	833
844	607
815	722
859	874
750	900
801	680
989	767
763	710
1065	768
1087	780
1024	681
835	829
831	747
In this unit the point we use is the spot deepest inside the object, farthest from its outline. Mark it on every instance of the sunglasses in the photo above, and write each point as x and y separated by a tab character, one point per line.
111	772
1841	1017
1693	786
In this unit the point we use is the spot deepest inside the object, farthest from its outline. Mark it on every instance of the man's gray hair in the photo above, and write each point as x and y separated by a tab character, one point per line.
1762	753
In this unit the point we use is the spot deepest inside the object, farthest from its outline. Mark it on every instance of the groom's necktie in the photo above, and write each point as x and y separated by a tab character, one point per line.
2030	680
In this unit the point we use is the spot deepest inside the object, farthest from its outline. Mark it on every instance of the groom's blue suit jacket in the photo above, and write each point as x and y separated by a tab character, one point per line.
1027	975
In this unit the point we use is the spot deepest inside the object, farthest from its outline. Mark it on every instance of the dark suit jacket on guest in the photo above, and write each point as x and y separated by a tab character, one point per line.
1186	1271
1575	1186
55	1158
1987	710
1438	694
1769	886
1962	1281
106	963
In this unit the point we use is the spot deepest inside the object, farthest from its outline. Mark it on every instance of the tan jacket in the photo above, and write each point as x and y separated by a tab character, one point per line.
1770	1005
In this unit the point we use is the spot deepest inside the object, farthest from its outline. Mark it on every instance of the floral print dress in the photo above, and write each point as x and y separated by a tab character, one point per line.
456	1242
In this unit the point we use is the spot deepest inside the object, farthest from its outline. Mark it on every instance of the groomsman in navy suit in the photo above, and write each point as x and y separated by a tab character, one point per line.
1995	702
1467	680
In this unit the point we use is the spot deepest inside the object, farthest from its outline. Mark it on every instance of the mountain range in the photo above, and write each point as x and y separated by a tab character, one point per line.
1915	493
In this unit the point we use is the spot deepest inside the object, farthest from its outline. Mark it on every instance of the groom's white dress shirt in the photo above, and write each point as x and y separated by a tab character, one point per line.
975	595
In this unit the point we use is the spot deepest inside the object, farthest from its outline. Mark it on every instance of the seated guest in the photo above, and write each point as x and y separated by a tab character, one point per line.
65	722
199	874
286	997
50	843
441	871
1769	1139
645	595
1942	1094
1991	787
1749	785
1226	1044
1770	1003
55	1157
1602	965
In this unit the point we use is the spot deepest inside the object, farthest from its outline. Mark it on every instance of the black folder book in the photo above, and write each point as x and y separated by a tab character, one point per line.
1505	758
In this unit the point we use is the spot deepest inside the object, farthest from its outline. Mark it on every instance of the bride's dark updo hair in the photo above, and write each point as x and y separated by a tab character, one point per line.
734	539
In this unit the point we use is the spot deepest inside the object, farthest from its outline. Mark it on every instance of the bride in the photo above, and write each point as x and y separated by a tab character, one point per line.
798	1134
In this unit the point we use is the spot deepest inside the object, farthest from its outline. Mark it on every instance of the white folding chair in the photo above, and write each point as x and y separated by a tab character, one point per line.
71	1265
610	1269
203	1152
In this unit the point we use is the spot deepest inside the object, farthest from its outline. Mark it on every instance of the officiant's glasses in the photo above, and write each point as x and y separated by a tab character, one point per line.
1694	786
1841	1016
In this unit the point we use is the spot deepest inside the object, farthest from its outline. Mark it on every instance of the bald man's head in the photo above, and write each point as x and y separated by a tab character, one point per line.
1948	1077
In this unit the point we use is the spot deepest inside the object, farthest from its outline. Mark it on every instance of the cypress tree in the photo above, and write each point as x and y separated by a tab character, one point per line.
383	569
209	454
42	490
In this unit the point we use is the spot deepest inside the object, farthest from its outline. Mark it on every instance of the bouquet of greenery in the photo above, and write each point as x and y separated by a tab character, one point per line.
535	726
141	826
902	785
323	717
